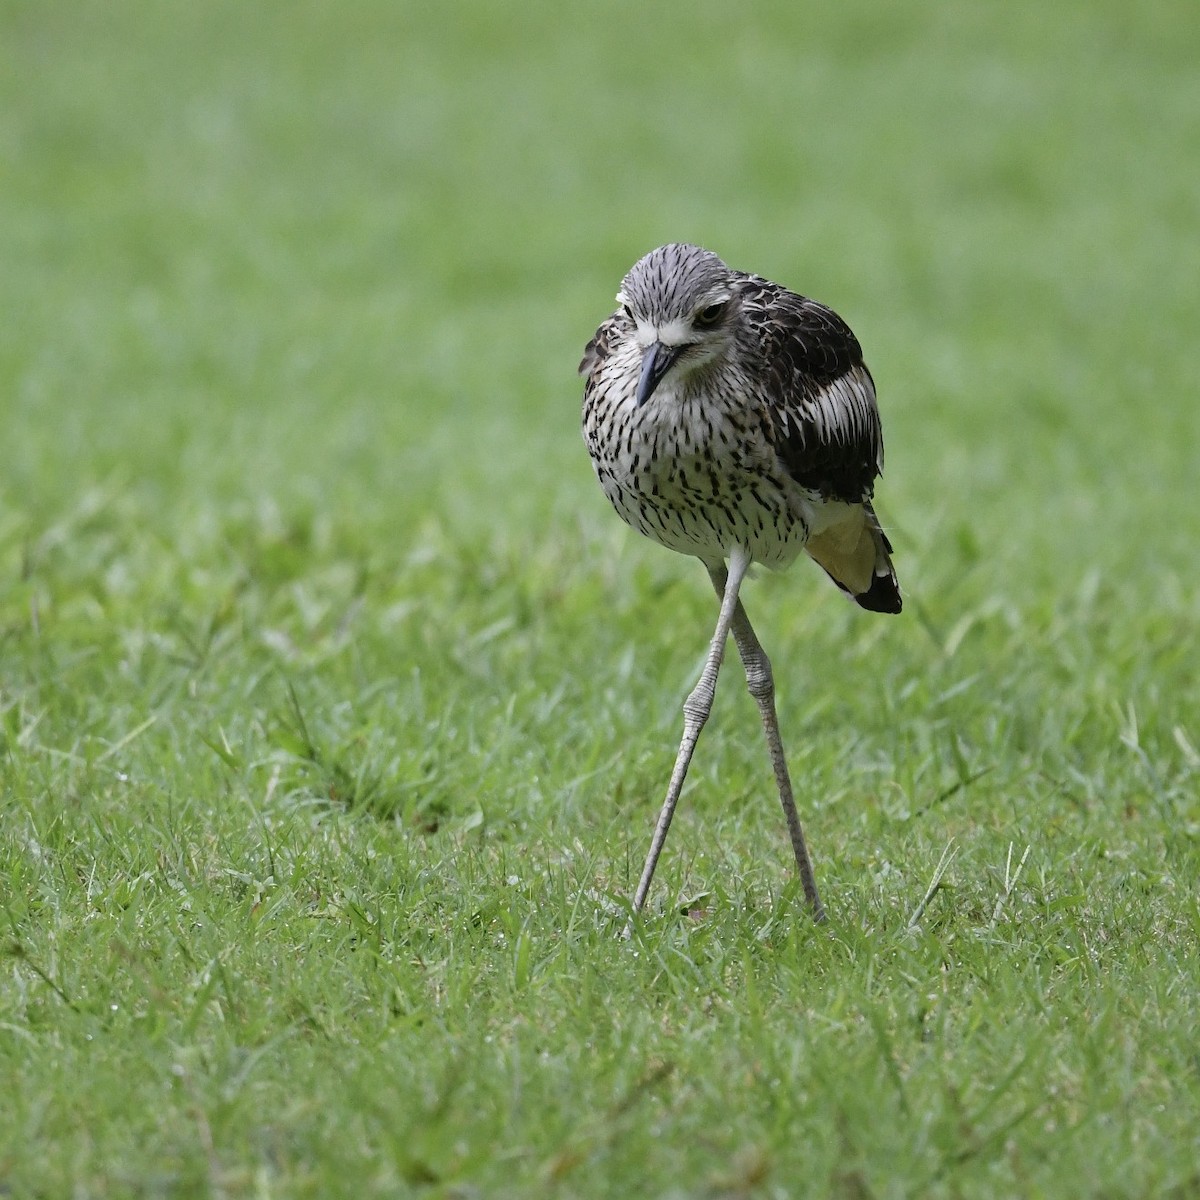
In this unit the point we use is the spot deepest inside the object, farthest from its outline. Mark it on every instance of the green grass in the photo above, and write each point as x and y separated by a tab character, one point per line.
336	707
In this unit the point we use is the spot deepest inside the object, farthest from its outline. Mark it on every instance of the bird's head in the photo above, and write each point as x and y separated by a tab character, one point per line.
681	304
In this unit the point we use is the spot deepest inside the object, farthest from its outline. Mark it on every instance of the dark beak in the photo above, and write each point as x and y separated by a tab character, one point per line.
655	365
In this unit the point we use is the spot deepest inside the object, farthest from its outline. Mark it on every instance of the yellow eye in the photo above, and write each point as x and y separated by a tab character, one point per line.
711	315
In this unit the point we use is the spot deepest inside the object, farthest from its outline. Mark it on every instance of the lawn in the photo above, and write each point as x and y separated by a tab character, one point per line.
336	707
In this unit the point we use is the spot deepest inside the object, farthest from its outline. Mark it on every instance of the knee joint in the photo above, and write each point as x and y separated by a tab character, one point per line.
696	710
760	681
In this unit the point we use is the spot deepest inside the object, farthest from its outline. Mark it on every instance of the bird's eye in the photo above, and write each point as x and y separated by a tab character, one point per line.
710	315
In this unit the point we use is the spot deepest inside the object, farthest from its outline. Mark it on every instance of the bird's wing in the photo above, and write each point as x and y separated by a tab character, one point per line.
821	395
599	348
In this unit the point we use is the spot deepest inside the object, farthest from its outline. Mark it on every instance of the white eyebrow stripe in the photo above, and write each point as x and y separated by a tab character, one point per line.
671	333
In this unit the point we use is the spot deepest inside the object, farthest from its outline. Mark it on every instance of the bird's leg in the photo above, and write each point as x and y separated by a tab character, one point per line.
761	682
695	712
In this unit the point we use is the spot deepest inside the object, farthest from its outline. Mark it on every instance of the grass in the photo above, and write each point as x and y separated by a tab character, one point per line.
335	707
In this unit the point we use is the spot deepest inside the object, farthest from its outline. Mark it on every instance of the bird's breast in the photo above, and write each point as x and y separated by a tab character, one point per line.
681	441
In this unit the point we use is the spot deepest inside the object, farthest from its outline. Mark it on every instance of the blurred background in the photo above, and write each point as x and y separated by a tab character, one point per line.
300	287
348	254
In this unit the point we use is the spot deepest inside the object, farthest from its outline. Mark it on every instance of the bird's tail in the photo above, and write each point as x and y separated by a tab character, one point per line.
856	554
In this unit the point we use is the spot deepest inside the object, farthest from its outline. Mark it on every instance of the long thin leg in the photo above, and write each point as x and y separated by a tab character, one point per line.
695	712
761	682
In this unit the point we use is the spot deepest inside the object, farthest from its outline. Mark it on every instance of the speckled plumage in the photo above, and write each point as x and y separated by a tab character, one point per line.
763	432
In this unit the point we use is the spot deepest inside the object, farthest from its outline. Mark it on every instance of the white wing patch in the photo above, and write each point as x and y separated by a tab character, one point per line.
844	412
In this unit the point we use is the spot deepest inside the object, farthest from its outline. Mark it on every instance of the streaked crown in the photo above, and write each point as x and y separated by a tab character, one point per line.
675	282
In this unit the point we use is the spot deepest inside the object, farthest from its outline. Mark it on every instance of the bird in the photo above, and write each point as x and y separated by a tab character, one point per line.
733	420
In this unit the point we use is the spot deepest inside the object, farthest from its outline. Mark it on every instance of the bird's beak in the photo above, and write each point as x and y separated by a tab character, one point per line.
655	365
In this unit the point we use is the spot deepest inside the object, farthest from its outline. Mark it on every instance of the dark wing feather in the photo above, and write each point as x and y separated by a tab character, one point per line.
599	348
826	422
